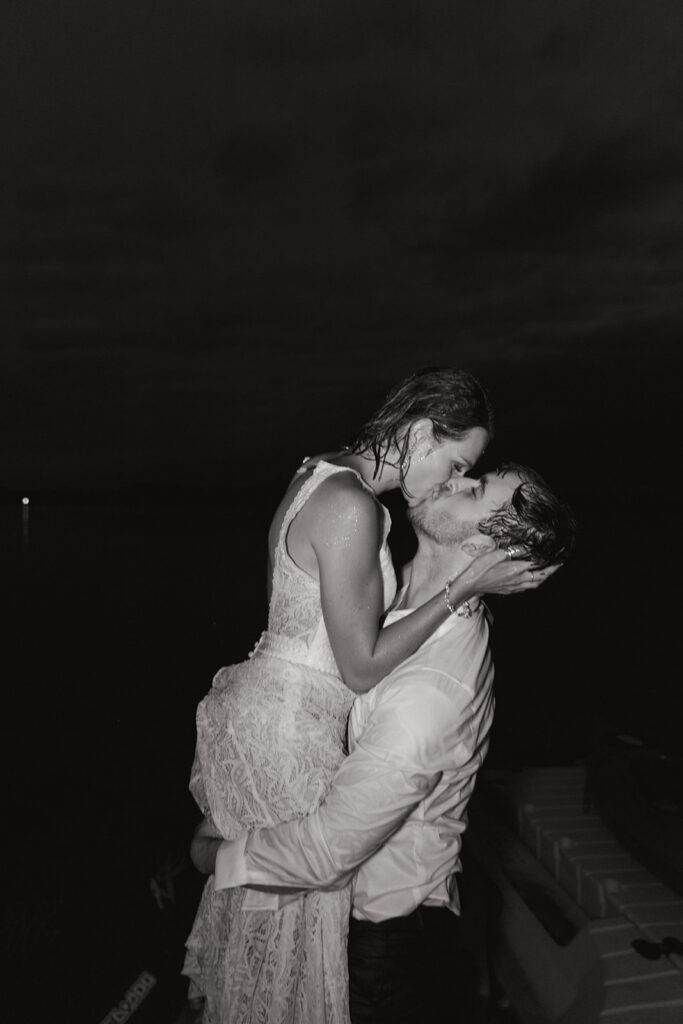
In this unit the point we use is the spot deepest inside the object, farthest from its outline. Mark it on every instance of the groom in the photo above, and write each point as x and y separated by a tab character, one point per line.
394	817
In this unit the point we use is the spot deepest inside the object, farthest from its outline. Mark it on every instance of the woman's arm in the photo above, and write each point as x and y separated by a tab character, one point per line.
345	532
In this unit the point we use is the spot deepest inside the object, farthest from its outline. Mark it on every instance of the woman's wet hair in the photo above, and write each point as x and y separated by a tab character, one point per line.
534	519
453	400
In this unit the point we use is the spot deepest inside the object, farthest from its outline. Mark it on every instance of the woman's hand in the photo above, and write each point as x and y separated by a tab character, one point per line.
204	847
503	572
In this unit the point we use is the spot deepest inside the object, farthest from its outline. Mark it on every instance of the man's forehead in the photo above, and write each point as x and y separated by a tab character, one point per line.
502	479
502	474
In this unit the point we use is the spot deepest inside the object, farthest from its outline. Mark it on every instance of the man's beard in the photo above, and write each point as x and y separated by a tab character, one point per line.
439	526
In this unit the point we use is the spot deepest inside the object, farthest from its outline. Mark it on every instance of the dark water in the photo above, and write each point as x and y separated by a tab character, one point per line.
118	617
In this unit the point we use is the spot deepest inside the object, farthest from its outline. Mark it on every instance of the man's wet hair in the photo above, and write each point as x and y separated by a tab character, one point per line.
533	519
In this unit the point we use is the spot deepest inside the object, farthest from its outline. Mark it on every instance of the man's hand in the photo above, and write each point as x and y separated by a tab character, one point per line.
204	847
503	572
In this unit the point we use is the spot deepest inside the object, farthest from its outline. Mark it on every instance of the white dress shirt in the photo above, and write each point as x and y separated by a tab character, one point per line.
395	813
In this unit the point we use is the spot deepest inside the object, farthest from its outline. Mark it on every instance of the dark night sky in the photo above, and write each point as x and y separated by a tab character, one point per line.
232	226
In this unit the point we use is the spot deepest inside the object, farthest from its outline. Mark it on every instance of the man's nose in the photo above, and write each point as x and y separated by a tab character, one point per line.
457	483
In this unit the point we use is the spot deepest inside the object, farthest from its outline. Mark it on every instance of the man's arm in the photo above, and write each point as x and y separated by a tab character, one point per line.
377	786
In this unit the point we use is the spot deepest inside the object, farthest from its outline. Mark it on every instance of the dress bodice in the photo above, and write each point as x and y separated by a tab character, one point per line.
296	629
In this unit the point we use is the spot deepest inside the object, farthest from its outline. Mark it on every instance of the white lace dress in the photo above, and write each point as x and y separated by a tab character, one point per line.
270	736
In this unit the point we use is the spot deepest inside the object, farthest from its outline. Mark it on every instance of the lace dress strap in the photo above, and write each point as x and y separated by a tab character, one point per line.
321	471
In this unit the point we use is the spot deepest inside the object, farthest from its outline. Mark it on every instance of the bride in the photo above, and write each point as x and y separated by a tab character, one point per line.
271	731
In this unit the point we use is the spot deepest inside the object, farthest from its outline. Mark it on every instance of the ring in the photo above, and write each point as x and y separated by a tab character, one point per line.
532	575
510	552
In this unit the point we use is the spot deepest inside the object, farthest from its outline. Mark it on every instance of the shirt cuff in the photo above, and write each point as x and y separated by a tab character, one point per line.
231	864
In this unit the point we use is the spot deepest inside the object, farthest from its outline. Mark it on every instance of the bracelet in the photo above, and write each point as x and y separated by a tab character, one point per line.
463	610
447	597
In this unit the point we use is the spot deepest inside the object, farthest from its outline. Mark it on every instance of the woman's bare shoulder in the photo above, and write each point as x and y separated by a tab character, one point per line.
346	486
341	495
341	501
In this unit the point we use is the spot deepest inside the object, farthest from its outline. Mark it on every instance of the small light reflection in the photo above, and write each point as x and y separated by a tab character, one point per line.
25	502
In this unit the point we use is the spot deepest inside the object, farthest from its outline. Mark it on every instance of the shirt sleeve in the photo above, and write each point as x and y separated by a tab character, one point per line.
392	768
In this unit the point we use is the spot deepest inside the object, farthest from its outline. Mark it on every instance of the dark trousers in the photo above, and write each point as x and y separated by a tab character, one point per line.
409	970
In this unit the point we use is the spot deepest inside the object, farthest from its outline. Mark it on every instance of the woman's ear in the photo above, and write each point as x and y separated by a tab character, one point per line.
423	429
421	437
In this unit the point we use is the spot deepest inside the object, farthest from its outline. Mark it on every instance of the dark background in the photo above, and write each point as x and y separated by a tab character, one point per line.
227	230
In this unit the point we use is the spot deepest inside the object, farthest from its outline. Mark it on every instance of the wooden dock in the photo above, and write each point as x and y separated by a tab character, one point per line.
583	932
